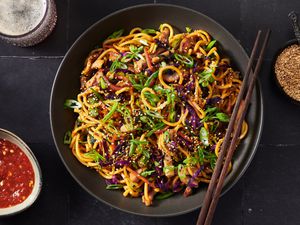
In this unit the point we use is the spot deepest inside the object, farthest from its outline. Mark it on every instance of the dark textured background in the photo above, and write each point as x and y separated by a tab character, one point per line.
268	193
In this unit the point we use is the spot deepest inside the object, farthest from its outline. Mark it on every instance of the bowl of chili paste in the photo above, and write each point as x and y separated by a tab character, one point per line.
20	175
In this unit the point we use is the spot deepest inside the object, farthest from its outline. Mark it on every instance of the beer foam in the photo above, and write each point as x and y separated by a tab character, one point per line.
18	17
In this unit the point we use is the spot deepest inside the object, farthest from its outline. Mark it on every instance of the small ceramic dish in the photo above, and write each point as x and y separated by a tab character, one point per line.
14	139
279	51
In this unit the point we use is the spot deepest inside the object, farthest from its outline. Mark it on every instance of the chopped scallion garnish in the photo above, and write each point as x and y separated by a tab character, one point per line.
94	155
188	29
164	195
180	171
72	104
185	59
147	173
68	137
149	31
114	186
154	114
204	136
116	34
210	45
222	117
93	112
117	65
157	127
152	77
201	154
111	112
96	94
102	83
206	78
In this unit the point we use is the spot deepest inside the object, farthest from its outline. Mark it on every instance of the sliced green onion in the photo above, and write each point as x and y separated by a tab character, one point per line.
204	136
93	112
111	112
211	156
114	186
179	169
206	78
135	49
138	142
191	161
138	87
200	154
127	58
213	160
157	127
214	126
214	113
168	169
172	115
131	149
94	155
134	54
211	110
147	120
149	31
146	154
116	34
158	88
102	83
127	116
142	162
68	138
171	96
152	98
147	173
187	60
166	136
188	29
154	114
72	104
152	77
96	94
164	195
210	45
117	65
92	100
222	117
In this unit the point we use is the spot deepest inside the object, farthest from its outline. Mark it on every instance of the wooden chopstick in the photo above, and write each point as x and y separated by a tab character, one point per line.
218	166
239	112
233	145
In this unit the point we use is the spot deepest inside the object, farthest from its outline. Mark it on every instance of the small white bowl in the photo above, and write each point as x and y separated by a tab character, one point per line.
7	135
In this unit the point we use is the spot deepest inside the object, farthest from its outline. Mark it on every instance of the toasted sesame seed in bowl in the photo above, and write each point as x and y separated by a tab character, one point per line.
287	70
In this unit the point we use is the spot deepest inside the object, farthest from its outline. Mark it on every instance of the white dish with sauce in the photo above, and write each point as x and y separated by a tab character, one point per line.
8	136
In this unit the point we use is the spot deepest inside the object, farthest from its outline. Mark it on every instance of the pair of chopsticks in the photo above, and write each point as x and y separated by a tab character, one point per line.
232	135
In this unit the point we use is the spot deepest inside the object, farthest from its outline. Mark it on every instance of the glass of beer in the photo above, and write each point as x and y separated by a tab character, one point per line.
26	22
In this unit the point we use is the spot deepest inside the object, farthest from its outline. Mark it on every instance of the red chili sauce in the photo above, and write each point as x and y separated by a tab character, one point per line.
16	175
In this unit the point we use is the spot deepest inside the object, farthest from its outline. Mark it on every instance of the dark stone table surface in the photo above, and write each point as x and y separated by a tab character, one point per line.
268	193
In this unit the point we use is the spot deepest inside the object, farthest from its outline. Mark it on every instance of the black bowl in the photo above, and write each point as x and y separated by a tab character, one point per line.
279	51
66	85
